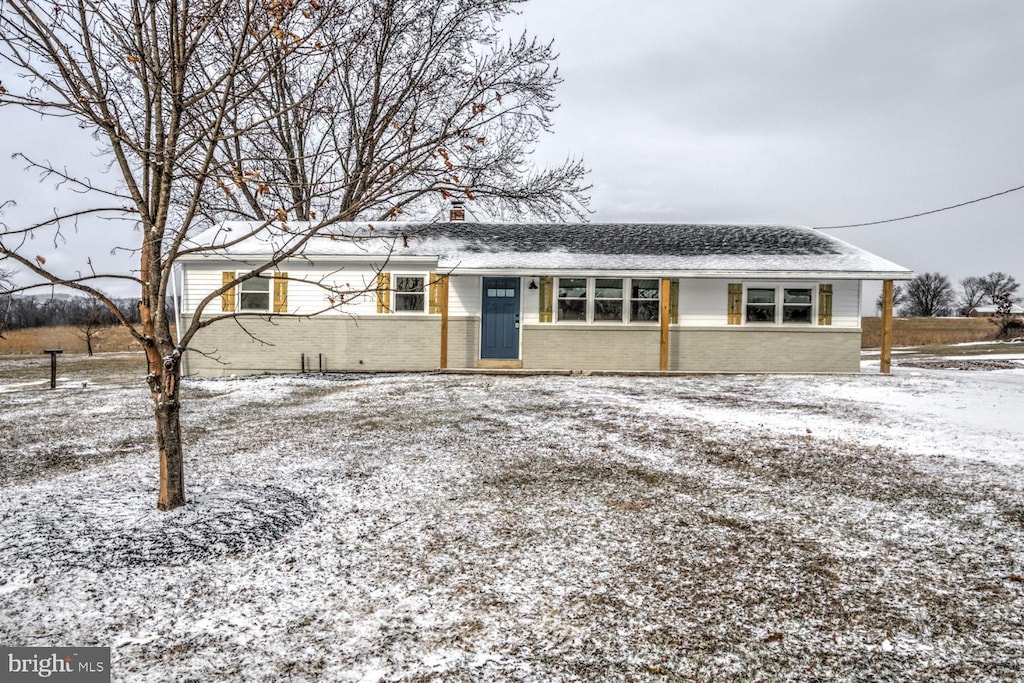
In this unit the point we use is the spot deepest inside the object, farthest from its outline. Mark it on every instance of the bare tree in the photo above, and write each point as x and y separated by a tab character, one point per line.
263	109
417	102
928	295
898	298
1009	326
6	299
998	285
972	294
93	320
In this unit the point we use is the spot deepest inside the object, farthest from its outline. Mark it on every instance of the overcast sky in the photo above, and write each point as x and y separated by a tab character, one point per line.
812	112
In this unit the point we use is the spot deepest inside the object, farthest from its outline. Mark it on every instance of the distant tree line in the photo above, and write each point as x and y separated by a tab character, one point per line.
22	312
933	295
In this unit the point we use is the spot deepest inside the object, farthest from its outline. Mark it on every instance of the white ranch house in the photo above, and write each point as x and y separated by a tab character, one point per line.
576	296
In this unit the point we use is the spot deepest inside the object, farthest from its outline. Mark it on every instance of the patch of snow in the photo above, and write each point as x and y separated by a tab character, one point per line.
487	528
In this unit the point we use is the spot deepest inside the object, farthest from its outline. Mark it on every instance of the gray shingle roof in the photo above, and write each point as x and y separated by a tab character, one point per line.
650	239
686	249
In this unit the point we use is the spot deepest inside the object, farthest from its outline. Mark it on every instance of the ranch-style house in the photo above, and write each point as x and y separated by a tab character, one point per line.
380	297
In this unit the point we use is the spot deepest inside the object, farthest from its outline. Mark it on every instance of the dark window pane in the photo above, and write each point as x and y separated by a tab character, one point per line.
408	284
760	296
608	309
254	301
572	309
796	314
760	313
644	311
408	302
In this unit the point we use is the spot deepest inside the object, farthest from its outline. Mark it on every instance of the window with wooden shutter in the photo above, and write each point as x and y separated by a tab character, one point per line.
735	303
825	304
547	286
227	299
383	292
673	302
280	292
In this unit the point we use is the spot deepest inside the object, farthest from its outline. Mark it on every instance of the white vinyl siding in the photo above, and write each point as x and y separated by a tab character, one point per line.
464	293
703	302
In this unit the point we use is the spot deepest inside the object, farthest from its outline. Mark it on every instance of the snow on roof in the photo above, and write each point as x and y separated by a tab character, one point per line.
662	247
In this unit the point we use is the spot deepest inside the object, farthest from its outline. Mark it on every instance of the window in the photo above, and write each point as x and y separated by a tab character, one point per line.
644	303
760	305
502	289
607	300
409	293
254	294
775	305
572	298
796	306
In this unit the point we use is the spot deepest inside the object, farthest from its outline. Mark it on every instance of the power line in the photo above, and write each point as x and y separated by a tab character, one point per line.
918	215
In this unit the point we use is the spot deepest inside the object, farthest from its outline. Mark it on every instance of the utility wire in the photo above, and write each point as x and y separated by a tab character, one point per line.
923	213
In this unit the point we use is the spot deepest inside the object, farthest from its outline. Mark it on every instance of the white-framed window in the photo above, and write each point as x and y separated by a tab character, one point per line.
644	300
254	294
409	293
572	299
607	300
797	303
761	305
779	305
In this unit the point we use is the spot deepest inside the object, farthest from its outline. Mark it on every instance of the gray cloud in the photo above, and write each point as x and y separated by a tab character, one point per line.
814	112
803	112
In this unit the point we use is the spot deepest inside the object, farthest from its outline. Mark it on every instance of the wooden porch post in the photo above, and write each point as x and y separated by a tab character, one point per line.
886	364
443	284
666	293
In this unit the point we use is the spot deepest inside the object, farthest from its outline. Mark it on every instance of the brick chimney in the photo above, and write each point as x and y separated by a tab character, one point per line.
458	211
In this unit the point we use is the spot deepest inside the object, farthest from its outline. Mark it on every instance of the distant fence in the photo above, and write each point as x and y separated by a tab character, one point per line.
924	331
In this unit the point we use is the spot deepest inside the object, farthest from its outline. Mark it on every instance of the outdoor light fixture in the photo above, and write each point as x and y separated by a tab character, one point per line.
533	283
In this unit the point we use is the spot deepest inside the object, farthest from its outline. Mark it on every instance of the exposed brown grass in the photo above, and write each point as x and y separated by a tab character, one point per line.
67	338
927	331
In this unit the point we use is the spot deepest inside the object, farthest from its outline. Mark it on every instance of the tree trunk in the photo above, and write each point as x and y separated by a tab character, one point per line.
88	344
167	410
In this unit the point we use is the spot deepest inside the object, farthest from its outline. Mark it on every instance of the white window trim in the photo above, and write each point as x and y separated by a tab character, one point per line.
780	288
258	278
627	301
395	293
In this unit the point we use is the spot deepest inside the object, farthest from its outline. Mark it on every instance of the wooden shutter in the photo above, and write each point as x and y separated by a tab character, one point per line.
673	302
383	292
824	304
735	303
547	286
437	290
227	299
280	293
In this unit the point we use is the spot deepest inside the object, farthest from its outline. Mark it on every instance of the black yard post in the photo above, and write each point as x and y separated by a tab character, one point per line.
53	365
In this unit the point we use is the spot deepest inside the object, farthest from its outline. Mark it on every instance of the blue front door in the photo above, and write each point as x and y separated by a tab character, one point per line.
499	336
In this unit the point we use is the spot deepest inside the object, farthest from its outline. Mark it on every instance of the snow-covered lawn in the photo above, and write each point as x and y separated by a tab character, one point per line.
491	528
